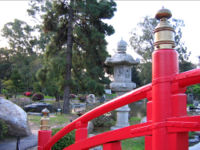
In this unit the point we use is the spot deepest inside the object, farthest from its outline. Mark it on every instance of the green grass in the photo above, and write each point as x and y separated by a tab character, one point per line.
133	144
190	105
21	96
34	119
134	120
49	97
49	101
57	120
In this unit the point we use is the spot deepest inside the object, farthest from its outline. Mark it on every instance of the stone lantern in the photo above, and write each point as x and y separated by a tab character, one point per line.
122	83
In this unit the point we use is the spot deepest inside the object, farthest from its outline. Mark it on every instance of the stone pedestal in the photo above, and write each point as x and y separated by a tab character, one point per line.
122	117
122	83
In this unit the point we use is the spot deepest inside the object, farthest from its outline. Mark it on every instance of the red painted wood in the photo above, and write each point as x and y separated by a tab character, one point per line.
115	135
164	69
125	99
167	124
43	137
112	146
148	139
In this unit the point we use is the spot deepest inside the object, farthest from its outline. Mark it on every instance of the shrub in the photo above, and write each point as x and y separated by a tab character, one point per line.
72	96
82	98
103	121
65	141
37	97
29	94
3	129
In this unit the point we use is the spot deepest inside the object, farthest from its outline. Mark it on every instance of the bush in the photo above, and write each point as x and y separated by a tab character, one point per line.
3	129
65	141
28	94
37	97
82	98
72	96
105	120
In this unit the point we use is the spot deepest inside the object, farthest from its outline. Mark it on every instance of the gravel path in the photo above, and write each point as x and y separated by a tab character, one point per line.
25	143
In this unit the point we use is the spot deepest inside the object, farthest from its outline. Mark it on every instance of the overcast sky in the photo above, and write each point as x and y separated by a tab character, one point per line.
128	14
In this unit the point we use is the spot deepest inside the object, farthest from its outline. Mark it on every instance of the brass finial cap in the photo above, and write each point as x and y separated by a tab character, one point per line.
45	112
163	13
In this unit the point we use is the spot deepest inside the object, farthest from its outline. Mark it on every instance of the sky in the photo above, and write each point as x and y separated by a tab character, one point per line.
127	16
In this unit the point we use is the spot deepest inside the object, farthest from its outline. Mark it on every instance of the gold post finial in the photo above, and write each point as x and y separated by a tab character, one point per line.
163	13
44	121
164	32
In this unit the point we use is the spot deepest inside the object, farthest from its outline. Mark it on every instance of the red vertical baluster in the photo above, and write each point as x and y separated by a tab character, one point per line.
81	132
43	137
112	146
148	139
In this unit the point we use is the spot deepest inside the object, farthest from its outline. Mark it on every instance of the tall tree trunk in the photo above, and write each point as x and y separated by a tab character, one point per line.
66	108
0	86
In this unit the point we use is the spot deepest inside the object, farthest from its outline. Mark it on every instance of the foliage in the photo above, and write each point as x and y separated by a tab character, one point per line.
20	60
103	121
65	141
37	97
14	85
76	51
3	129
142	43
82	98
72	96
195	90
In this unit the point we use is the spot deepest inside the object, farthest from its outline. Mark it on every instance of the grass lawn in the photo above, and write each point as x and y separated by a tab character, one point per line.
134	120
133	144
54	120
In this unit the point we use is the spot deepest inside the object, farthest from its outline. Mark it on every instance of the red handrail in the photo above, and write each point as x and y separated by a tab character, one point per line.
183	80
120	101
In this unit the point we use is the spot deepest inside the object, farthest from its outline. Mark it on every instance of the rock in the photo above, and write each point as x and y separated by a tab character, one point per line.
38	107
90	127
15	117
91	99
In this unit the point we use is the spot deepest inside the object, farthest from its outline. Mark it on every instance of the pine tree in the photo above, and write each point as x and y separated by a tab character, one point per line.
77	48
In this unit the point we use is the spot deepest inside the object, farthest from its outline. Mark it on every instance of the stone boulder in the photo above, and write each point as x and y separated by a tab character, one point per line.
91	99
15	117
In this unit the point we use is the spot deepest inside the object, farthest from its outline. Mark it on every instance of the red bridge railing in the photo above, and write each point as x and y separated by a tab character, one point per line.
167	123
110	140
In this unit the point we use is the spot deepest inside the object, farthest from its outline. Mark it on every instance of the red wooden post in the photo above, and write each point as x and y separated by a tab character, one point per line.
112	146
81	132
44	134
164	69
43	137
179	103
148	139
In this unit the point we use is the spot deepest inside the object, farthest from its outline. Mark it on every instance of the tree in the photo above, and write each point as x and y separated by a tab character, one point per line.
5	66
22	52
77	48
142	43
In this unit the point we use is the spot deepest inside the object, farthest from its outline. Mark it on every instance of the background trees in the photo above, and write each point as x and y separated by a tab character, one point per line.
142	43
64	52
76	52
19	59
